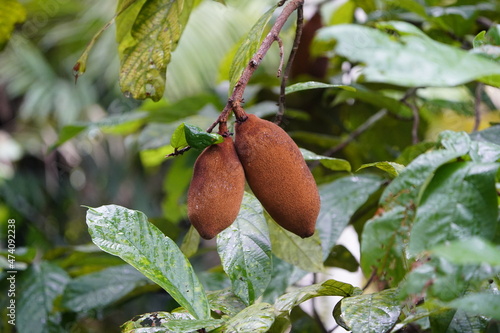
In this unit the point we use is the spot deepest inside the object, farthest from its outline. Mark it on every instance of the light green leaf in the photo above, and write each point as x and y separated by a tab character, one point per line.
245	251
331	163
376	312
226	302
128	234
469	251
165	322
383	245
178	139
339	201
284	274
40	286
327	288
412	60
459	202
256	318
145	50
393	169
304	253
200	139
404	189
480	304
315	85
248	47
11	13
190	243
100	289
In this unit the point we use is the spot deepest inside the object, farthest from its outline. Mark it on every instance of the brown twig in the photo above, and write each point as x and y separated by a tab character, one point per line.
415	111
234	102
288	68
477	106
282	52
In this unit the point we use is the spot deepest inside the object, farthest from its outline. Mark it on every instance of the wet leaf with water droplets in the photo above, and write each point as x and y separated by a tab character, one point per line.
128	234
245	251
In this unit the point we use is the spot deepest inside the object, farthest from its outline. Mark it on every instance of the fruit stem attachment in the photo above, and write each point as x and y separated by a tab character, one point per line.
234	102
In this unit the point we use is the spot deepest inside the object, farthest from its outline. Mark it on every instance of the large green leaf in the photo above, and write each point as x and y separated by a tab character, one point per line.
383	244
245	251
439	278
473	250
479	303
248	47
284	275
304	253
11	13
404	190
376	312
101	288
339	201
411	60
145	47
256	318
459	202
40	286
128	234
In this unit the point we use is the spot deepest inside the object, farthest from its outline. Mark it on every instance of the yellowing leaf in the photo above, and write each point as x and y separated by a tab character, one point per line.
145	50
11	13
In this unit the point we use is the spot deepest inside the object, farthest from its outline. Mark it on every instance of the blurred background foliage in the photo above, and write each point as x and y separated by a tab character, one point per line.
64	145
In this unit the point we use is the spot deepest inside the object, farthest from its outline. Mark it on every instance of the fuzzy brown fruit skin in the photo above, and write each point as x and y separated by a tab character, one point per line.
216	189
278	175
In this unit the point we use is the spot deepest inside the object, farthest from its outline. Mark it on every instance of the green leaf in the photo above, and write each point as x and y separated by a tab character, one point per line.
284	274
145	46
41	285
411	60
483	304
114	124
256	318
190	243
165	322
245	251
339	201
484	152
315	85
128	234
304	253
327	288
248	47
393	169
491	134
383	245
11	13
469	251
200	139
178	139
102	288
331	163
459	202
404	189
226	302
341	257
376	312
442	280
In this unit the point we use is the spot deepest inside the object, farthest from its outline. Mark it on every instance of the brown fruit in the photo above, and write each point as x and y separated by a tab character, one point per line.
278	174
216	189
